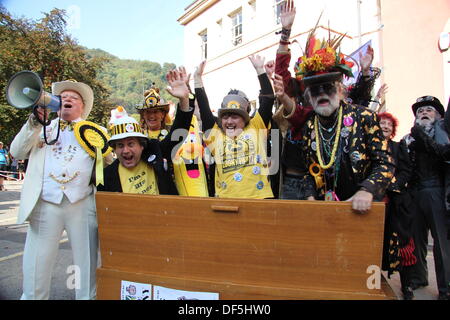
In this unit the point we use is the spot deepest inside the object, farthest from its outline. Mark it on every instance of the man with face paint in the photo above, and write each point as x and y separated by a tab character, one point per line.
296	110
346	152
428	188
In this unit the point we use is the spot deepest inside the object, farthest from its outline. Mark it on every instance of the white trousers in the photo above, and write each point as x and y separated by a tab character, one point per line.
47	223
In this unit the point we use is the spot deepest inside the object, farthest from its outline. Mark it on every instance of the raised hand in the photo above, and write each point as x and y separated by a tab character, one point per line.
184	75
258	63
270	68
366	60
278	85
381	92
285	100
199	70
198	82
177	84
287	15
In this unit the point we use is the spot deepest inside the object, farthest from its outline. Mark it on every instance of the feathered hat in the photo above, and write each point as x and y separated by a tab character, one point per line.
322	61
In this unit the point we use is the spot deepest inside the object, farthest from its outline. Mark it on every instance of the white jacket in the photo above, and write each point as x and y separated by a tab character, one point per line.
28	144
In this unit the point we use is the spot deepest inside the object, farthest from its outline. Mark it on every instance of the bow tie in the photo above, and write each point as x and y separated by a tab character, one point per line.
66	125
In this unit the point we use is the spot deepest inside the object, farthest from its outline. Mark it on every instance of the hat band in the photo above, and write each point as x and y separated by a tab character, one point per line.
126	128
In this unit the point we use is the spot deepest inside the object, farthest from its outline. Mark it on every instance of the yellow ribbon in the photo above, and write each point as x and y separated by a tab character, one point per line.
99	167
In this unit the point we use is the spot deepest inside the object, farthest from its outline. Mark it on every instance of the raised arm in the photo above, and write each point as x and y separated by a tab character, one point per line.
206	115
361	91
287	17
283	57
266	96
178	89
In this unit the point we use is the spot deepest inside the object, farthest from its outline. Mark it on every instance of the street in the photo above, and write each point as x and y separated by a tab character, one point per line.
12	240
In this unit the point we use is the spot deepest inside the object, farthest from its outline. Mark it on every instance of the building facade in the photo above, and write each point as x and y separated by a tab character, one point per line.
403	33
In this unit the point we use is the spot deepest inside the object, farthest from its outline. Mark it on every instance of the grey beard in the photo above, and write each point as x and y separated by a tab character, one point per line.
325	112
429	130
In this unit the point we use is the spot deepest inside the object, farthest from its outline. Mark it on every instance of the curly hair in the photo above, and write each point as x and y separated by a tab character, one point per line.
390	117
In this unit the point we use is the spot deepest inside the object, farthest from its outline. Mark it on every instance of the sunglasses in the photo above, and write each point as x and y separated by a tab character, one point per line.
328	88
426	98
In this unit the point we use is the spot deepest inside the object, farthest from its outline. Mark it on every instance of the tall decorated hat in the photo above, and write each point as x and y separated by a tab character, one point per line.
322	60
153	100
123	126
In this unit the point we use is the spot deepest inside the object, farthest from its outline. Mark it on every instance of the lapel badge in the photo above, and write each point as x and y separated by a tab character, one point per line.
356	156
348	121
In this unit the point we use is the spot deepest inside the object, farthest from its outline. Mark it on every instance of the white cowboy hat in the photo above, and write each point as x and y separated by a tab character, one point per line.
83	90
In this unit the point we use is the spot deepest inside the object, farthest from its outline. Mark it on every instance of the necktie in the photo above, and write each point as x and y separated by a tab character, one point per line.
66	125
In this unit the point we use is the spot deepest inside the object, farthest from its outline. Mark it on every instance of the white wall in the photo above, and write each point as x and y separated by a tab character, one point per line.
228	66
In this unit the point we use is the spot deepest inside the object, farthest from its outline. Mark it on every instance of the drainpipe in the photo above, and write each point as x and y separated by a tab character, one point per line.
358	6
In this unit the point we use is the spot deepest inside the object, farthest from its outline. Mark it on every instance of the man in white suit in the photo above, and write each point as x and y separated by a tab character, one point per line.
58	195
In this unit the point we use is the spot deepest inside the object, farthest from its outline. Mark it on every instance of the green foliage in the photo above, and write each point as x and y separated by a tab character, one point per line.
128	79
44	47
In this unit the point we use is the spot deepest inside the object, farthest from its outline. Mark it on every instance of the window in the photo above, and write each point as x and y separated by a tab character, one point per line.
204	44
277	7
236	31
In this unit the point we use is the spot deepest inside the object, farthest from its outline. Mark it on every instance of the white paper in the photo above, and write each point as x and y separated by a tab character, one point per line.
162	293
135	291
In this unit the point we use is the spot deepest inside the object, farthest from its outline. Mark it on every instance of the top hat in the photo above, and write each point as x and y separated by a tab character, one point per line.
428	101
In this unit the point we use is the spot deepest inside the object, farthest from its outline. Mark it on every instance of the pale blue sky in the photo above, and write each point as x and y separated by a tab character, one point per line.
133	29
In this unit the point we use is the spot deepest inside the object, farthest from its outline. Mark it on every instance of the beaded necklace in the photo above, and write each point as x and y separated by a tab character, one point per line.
319	139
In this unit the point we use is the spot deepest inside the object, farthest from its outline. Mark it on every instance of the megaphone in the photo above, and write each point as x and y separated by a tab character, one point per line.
25	90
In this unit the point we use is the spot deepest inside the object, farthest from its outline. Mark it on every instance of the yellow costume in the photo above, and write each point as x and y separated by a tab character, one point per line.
241	163
140	179
188	166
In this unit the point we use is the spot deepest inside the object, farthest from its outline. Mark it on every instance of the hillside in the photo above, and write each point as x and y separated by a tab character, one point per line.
127	79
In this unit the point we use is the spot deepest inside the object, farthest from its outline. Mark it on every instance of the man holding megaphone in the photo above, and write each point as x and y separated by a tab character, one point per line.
57	192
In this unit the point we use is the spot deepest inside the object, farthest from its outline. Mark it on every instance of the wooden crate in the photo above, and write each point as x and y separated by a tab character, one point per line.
241	249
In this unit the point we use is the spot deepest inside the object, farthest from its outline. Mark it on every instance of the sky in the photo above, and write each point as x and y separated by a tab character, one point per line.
133	29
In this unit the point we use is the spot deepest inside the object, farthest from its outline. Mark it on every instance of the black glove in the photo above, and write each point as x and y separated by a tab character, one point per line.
422	141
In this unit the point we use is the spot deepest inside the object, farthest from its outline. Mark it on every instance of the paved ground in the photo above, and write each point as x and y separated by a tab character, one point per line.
12	240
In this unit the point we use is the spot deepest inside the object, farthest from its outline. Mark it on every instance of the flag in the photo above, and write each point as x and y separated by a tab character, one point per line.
354	57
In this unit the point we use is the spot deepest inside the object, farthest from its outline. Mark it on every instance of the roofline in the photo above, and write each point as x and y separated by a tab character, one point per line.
196	8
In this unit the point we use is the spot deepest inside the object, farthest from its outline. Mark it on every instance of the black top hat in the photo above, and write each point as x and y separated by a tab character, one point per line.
322	78
428	101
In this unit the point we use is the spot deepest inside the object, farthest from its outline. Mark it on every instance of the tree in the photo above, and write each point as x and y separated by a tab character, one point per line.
44	47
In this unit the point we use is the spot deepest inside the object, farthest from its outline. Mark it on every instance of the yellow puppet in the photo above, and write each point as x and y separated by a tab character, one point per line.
188	166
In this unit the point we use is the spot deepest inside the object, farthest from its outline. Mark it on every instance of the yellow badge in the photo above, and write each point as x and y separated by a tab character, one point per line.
92	137
233	105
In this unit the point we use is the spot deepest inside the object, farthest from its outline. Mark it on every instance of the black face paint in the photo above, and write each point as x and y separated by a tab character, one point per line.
328	88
